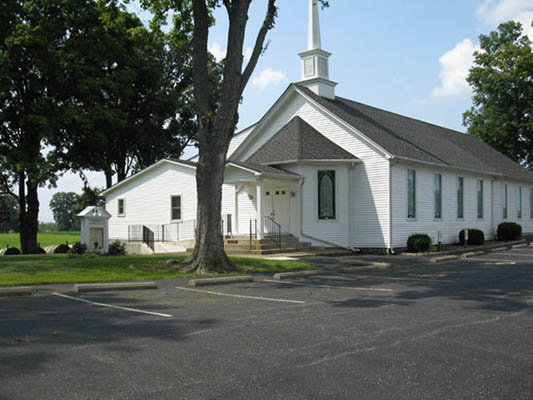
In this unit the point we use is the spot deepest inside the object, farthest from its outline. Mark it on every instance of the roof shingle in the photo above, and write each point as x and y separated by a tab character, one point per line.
298	140
413	139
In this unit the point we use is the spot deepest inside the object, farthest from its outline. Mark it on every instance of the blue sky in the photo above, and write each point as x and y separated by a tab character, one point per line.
409	57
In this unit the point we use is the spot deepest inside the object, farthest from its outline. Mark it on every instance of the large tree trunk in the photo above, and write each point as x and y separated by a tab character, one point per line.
28	216
217	124
209	254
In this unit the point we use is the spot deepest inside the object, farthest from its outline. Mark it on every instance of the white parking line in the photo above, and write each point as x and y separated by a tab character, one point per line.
111	306
242	296
329	286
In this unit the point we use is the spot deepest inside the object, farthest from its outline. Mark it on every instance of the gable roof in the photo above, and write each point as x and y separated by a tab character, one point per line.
415	140
256	168
298	140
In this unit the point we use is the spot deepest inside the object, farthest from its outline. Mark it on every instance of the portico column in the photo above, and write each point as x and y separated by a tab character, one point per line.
260	211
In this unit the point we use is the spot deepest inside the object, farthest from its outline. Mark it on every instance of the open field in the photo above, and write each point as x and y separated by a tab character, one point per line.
72	268
45	239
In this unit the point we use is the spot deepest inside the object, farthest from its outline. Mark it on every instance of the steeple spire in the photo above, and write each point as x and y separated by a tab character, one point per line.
313	33
315	67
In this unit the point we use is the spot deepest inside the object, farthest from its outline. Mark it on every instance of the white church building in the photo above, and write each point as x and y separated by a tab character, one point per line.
333	172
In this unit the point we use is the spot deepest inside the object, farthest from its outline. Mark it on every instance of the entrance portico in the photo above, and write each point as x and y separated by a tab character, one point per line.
263	194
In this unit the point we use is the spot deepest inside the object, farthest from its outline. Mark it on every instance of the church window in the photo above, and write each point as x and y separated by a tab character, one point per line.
326	194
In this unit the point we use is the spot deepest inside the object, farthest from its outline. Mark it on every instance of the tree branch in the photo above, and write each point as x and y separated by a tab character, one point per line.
268	23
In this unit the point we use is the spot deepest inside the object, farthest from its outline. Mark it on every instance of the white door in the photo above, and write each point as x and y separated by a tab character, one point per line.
277	206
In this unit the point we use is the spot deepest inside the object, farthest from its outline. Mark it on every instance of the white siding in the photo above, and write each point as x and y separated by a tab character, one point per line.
370	179
512	211
332	232
238	139
147	198
449	224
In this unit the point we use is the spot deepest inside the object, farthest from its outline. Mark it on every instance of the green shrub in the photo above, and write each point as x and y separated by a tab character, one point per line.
419	242
475	237
509	231
78	248
117	248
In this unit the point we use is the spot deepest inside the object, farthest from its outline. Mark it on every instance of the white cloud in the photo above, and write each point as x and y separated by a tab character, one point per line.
498	11
267	77
455	65
217	51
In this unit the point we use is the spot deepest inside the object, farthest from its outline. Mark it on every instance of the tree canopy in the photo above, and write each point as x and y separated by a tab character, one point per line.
63	206
130	93
502	81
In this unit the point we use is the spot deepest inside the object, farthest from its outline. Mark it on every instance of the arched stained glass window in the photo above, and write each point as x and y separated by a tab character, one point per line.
326	194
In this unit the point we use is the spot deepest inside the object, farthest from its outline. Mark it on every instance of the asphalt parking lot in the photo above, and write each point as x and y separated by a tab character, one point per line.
456	330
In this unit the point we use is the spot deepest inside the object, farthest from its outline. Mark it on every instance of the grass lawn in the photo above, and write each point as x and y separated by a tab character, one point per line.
45	239
70	268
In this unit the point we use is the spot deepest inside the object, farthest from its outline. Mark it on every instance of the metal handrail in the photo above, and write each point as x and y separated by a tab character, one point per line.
273	231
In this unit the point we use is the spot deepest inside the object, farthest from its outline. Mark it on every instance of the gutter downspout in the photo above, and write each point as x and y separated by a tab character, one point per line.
492	231
303	234
392	161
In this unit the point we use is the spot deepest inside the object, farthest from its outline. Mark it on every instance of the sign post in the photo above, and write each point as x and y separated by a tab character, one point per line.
466	237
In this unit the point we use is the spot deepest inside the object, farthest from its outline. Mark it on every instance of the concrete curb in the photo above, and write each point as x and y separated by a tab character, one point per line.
443	258
520	246
472	254
374	264
297	274
16	291
220	281
498	249
460	251
100	287
355	270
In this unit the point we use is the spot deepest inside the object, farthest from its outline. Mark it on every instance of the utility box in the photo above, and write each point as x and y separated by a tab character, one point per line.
94	222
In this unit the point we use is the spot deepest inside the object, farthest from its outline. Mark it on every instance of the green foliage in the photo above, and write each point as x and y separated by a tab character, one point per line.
63	206
132	93
117	248
502	114
475	237
78	248
418	243
89	197
8	214
509	231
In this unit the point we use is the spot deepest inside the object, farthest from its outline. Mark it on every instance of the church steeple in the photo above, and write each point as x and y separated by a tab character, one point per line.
315	63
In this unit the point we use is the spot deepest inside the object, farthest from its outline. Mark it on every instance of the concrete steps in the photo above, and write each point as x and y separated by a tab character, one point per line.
241	245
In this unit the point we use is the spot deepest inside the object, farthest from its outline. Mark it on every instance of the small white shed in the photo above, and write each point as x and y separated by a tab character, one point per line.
95	228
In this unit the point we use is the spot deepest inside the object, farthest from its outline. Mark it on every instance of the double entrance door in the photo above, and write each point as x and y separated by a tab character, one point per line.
278	206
